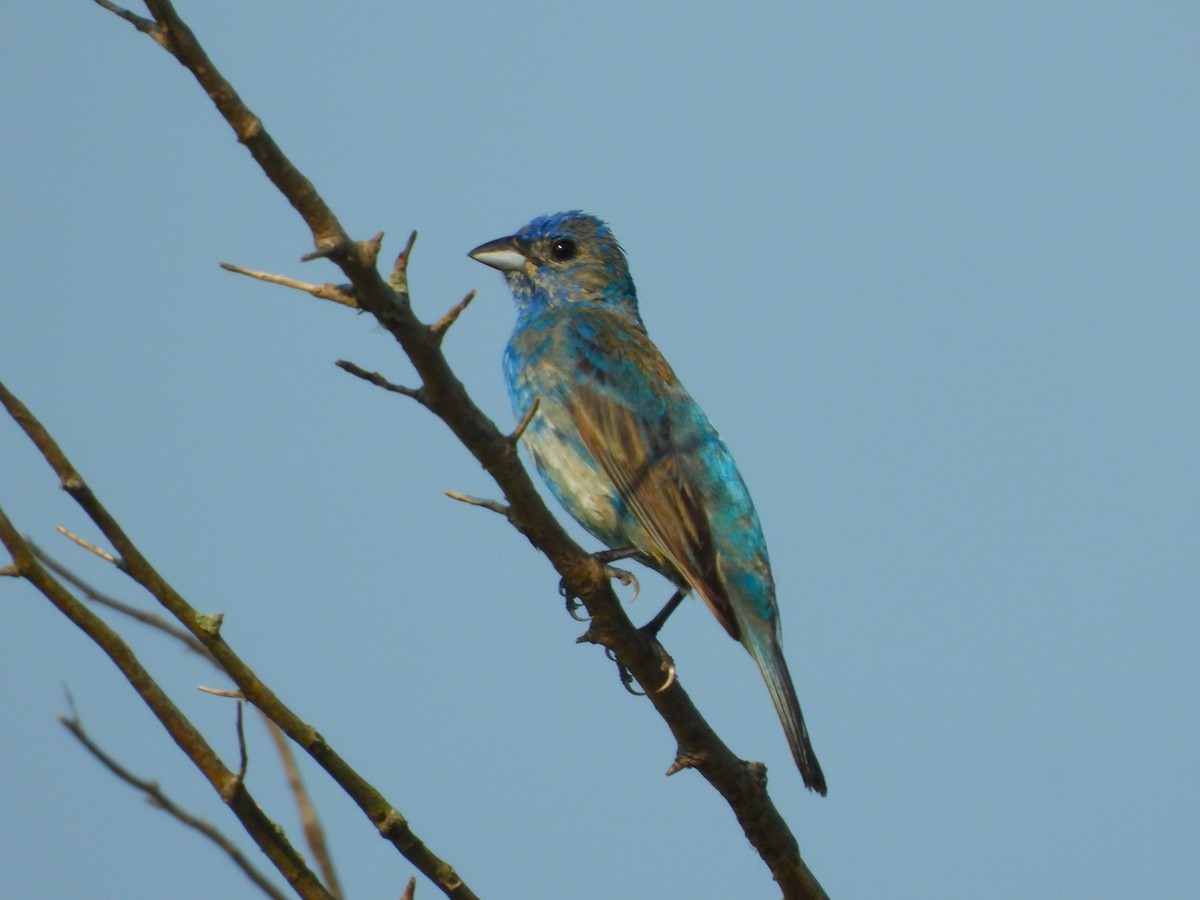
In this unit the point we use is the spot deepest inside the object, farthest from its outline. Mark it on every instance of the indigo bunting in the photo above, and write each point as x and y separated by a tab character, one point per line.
623	446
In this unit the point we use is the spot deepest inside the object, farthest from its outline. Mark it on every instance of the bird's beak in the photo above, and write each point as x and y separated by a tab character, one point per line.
503	254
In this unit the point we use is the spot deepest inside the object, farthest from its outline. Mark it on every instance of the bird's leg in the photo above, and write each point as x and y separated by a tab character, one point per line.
604	557
651	629
655	625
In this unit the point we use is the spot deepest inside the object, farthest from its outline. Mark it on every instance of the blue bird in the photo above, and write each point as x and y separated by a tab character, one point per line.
623	446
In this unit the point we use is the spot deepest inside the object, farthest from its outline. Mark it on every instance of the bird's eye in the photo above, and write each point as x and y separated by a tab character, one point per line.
563	249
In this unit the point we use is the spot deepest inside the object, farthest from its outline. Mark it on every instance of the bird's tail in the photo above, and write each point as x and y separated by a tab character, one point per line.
769	655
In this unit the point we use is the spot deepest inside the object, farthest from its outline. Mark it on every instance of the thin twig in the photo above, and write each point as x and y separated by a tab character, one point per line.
221	692
442	325
515	437
378	380
155	797
243	754
90	547
494	505
140	615
143	25
324	291
411	891
314	834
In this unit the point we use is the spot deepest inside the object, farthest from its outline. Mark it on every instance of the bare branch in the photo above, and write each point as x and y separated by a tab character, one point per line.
378	380
155	797
494	505
314	833
206	628
323	291
103	554
515	437
442	325
265	833
243	755
143	25
738	782
221	692
411	891
146	618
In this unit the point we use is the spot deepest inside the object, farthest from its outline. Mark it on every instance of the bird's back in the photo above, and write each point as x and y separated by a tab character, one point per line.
634	459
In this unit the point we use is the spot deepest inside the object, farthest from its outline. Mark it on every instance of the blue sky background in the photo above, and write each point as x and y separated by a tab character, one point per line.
932	270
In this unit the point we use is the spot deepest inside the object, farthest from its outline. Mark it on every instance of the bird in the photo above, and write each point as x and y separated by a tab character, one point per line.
625	449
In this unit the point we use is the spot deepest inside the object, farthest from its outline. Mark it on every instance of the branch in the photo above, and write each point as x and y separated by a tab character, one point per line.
206	628
741	784
378	380
323	291
314	833
265	833
155	797
139	615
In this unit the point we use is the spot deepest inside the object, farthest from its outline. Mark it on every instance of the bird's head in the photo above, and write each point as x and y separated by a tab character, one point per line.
566	258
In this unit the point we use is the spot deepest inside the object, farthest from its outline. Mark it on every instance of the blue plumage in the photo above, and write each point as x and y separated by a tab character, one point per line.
624	447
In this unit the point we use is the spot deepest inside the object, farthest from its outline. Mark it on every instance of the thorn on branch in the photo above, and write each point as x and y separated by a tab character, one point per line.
591	636
86	545
684	760
333	292
524	423
398	280
221	692
10	571
210	623
378	380
494	505
368	250
329	250
439	328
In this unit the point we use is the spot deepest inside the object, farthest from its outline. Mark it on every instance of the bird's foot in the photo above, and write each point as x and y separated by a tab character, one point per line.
573	603
604	557
627	679
651	630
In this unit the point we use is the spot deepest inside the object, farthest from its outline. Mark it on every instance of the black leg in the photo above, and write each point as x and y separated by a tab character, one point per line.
655	625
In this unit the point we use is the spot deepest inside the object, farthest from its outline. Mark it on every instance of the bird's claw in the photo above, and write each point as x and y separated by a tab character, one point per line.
573	603
626	578
627	678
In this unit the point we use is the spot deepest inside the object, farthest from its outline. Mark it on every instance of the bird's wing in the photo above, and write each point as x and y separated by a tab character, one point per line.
627	420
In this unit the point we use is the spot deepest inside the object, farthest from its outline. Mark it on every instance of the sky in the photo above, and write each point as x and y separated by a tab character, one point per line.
931	268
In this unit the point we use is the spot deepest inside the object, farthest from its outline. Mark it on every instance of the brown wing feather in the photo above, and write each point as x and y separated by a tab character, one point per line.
649	476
